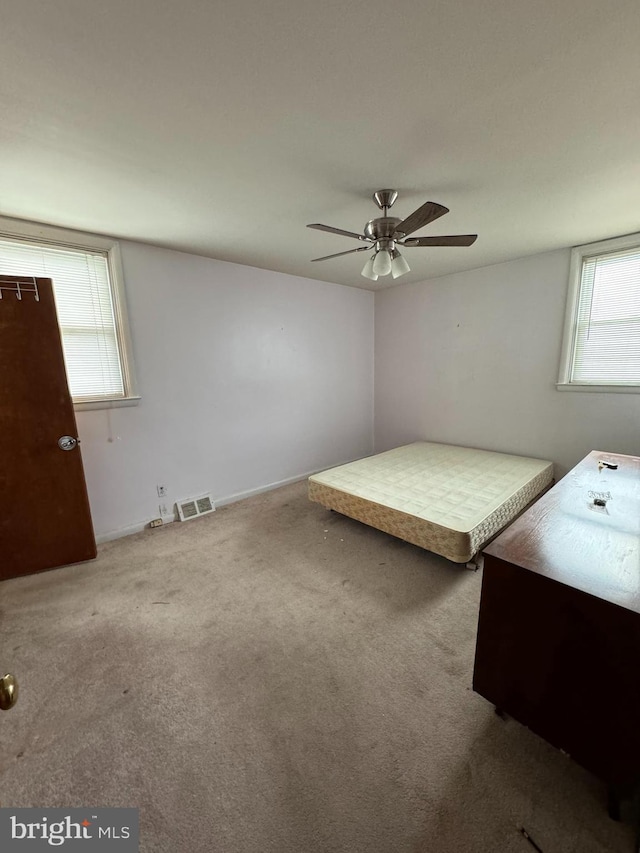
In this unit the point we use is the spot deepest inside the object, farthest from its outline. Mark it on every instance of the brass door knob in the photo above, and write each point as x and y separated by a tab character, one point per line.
8	692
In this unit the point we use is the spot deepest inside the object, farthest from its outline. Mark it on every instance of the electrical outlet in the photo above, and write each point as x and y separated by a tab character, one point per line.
163	509
157	522
162	491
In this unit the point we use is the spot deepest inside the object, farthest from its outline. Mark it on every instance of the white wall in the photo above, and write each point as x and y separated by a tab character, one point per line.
248	378
472	359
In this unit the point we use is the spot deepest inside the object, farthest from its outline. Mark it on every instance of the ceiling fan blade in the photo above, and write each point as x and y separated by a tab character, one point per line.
350	252
429	211
332	230
457	240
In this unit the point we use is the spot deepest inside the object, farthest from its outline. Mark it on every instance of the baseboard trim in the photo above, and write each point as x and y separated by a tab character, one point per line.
240	496
119	532
130	529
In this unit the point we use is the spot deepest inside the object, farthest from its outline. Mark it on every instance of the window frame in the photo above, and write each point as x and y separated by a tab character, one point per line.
66	238
578	255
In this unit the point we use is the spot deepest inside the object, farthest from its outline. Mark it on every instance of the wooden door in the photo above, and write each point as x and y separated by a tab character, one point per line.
44	509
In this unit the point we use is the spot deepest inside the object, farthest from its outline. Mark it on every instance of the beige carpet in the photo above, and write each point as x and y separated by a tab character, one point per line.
275	678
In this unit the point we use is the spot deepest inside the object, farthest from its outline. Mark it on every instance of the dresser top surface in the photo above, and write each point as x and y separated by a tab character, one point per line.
567	537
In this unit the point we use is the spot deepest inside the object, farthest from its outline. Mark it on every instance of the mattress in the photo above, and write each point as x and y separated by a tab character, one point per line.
449	500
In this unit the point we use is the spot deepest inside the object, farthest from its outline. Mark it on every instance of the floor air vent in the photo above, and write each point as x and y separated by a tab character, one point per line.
195	507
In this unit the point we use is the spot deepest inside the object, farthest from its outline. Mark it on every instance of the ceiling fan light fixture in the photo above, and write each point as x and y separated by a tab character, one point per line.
367	270
398	265
382	262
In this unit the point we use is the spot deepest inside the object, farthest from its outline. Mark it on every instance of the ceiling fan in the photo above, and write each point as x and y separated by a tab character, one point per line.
386	233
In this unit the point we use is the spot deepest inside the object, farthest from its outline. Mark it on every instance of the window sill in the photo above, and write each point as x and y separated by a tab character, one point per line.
606	389
117	403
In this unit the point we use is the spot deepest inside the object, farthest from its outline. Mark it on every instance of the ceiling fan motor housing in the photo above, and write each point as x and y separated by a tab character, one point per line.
383	232
384	226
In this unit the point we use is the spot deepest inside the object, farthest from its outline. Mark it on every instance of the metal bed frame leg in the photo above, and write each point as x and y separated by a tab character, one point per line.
476	562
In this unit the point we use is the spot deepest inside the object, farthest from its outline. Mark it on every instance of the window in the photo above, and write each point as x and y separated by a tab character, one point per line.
601	347
87	284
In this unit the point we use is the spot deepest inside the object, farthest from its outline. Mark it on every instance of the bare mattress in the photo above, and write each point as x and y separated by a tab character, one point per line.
449	500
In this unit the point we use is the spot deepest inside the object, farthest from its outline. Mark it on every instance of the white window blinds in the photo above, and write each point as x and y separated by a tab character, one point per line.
85	312
607	333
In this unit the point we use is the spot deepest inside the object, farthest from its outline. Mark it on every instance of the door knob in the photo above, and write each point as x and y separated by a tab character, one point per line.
8	692
67	442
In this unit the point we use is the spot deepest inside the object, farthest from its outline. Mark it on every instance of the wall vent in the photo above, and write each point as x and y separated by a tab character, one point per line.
194	507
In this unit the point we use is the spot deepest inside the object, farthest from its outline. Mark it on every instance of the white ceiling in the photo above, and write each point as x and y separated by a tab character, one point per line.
223	128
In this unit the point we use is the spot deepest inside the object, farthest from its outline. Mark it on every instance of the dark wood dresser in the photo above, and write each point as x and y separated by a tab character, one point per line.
558	643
